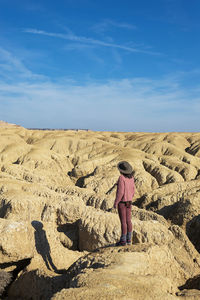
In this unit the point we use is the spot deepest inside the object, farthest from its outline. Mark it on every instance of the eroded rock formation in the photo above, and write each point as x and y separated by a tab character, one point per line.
58	227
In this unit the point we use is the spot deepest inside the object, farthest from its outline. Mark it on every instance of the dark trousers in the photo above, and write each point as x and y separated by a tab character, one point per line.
124	212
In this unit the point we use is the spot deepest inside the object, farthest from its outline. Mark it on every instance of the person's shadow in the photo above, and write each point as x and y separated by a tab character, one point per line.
43	247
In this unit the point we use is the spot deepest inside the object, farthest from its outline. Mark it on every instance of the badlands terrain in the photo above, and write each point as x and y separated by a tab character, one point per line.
58	228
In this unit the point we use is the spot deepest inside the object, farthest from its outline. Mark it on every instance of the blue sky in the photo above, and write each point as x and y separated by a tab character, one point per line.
100	65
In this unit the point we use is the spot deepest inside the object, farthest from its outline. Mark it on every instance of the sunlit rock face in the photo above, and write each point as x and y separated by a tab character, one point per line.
58	228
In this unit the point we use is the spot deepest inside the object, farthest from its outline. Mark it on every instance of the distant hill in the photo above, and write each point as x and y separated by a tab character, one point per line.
6	124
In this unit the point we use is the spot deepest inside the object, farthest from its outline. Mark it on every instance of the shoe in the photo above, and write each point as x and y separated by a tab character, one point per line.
128	242
121	243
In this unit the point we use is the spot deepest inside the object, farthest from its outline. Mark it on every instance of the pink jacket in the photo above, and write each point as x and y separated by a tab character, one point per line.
125	189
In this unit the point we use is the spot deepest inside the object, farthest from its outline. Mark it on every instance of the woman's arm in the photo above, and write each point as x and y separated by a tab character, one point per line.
120	191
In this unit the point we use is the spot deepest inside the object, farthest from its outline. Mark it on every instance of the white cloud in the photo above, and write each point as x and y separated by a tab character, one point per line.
86	50
106	25
90	41
122	25
13	68
8	62
132	104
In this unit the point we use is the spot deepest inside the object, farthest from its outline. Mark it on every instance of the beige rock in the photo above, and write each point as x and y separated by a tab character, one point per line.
66	181
24	201
167	195
162	174
70	210
151	232
36	284
100	229
115	273
184	168
145	215
16	241
97	229
47	271
181	208
184	210
184	252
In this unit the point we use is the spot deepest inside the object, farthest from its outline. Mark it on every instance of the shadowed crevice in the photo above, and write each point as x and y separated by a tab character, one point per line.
191	283
72	233
81	181
7	278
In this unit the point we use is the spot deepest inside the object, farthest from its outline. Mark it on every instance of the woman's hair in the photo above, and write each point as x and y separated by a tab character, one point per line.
128	175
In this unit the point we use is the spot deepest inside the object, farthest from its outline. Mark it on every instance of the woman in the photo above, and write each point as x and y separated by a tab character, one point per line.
123	201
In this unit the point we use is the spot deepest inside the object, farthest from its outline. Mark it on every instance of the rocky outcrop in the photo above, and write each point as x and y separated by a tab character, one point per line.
179	204
16	241
114	273
58	225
